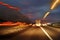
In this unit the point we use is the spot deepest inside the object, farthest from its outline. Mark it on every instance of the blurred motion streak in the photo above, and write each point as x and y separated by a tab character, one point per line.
46	33
7	5
54	4
52	7
46	15
12	24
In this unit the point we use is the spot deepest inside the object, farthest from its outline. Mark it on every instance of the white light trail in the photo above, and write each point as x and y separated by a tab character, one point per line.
46	15
46	33
52	7
54	4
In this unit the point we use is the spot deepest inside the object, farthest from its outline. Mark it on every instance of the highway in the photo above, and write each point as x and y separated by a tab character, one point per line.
33	33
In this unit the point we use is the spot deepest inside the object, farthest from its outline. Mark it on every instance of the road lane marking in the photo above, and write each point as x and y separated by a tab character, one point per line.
46	33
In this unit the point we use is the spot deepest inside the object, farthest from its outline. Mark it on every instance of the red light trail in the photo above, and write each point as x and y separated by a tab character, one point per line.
9	6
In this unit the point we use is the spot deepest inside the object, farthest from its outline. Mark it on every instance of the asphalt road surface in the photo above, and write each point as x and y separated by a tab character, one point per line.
34	33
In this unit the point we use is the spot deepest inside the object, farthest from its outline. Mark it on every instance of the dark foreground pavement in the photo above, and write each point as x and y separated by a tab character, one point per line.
33	33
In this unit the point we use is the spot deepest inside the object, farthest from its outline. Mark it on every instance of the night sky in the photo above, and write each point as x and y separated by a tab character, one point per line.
35	9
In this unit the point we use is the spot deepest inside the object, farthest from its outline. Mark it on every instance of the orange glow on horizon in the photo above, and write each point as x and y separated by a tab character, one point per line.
38	23
12	23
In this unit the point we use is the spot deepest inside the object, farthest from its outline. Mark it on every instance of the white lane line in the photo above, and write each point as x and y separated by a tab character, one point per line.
46	33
